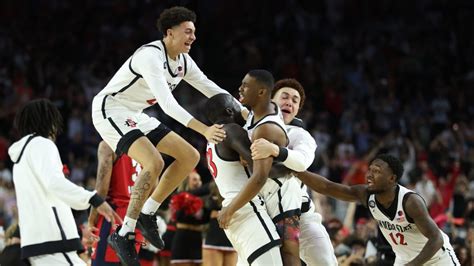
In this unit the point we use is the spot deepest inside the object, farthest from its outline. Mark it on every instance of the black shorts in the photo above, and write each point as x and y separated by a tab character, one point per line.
216	238
186	246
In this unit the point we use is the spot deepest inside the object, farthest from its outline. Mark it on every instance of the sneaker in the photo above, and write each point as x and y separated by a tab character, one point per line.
149	228
124	246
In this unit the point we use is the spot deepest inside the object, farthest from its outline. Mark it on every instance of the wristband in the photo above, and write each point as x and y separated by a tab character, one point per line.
282	154
96	200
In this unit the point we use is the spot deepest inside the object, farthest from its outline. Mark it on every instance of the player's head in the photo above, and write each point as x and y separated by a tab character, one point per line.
384	173
256	86
289	95
222	109
39	116
177	26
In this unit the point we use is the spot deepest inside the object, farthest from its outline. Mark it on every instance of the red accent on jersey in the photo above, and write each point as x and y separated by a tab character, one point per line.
124	172
211	165
151	101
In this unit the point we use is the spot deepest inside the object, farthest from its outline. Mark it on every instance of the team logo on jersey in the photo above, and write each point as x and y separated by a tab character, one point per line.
130	123
400	217
371	203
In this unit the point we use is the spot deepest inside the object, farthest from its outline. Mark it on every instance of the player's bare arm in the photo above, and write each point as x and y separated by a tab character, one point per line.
261	169
238	140
416	208
338	191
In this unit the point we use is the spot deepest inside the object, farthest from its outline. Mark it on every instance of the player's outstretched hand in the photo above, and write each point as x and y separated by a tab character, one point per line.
215	133
109	214
224	218
262	148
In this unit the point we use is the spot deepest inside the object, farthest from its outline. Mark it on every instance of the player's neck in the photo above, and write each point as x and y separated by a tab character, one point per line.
262	110
170	52
386	198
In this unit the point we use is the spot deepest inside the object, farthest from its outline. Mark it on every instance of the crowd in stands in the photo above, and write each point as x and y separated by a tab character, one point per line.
391	76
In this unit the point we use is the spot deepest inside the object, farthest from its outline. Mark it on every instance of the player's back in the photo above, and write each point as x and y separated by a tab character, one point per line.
230	175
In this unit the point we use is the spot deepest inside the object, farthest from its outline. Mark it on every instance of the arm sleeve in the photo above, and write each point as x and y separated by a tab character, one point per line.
301	150
48	167
149	63
196	78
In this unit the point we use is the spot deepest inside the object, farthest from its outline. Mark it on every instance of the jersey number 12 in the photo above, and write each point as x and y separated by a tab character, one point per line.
399	237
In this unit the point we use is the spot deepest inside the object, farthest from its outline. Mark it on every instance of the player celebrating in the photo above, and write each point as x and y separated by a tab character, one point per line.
149	76
315	247
401	214
251	230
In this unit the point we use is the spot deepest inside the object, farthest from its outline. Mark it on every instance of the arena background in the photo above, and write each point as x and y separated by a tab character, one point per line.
380	76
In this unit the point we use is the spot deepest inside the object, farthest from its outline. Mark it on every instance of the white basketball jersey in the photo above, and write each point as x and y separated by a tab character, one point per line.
404	237
276	118
127	88
230	176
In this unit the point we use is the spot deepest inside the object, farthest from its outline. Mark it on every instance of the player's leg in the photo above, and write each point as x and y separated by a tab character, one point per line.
211	257
230	258
186	158
123	134
315	244
143	151
65	258
283	200
253	234
289	230
271	257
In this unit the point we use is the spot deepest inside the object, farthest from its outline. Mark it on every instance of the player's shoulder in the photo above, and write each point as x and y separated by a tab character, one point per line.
234	129
154	49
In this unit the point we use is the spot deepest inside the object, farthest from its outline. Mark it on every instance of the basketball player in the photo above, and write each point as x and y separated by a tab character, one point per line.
148	77
45	197
315	246
115	178
251	231
401	214
265	121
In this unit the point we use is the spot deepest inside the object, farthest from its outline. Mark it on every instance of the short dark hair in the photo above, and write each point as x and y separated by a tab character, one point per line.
264	77
174	16
221	107
393	162
291	83
39	116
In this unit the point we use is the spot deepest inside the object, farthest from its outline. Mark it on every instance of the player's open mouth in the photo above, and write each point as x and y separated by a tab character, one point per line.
188	44
286	111
241	97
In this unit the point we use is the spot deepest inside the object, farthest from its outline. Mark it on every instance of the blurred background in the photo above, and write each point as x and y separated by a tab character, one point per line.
379	75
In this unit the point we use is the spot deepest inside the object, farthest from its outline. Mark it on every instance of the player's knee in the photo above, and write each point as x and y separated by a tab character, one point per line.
190	156
154	166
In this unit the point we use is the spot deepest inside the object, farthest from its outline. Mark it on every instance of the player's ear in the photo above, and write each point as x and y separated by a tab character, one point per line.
169	32
393	178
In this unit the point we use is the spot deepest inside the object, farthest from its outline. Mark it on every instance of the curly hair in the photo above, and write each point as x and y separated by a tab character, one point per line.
174	16
290	83
393	162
